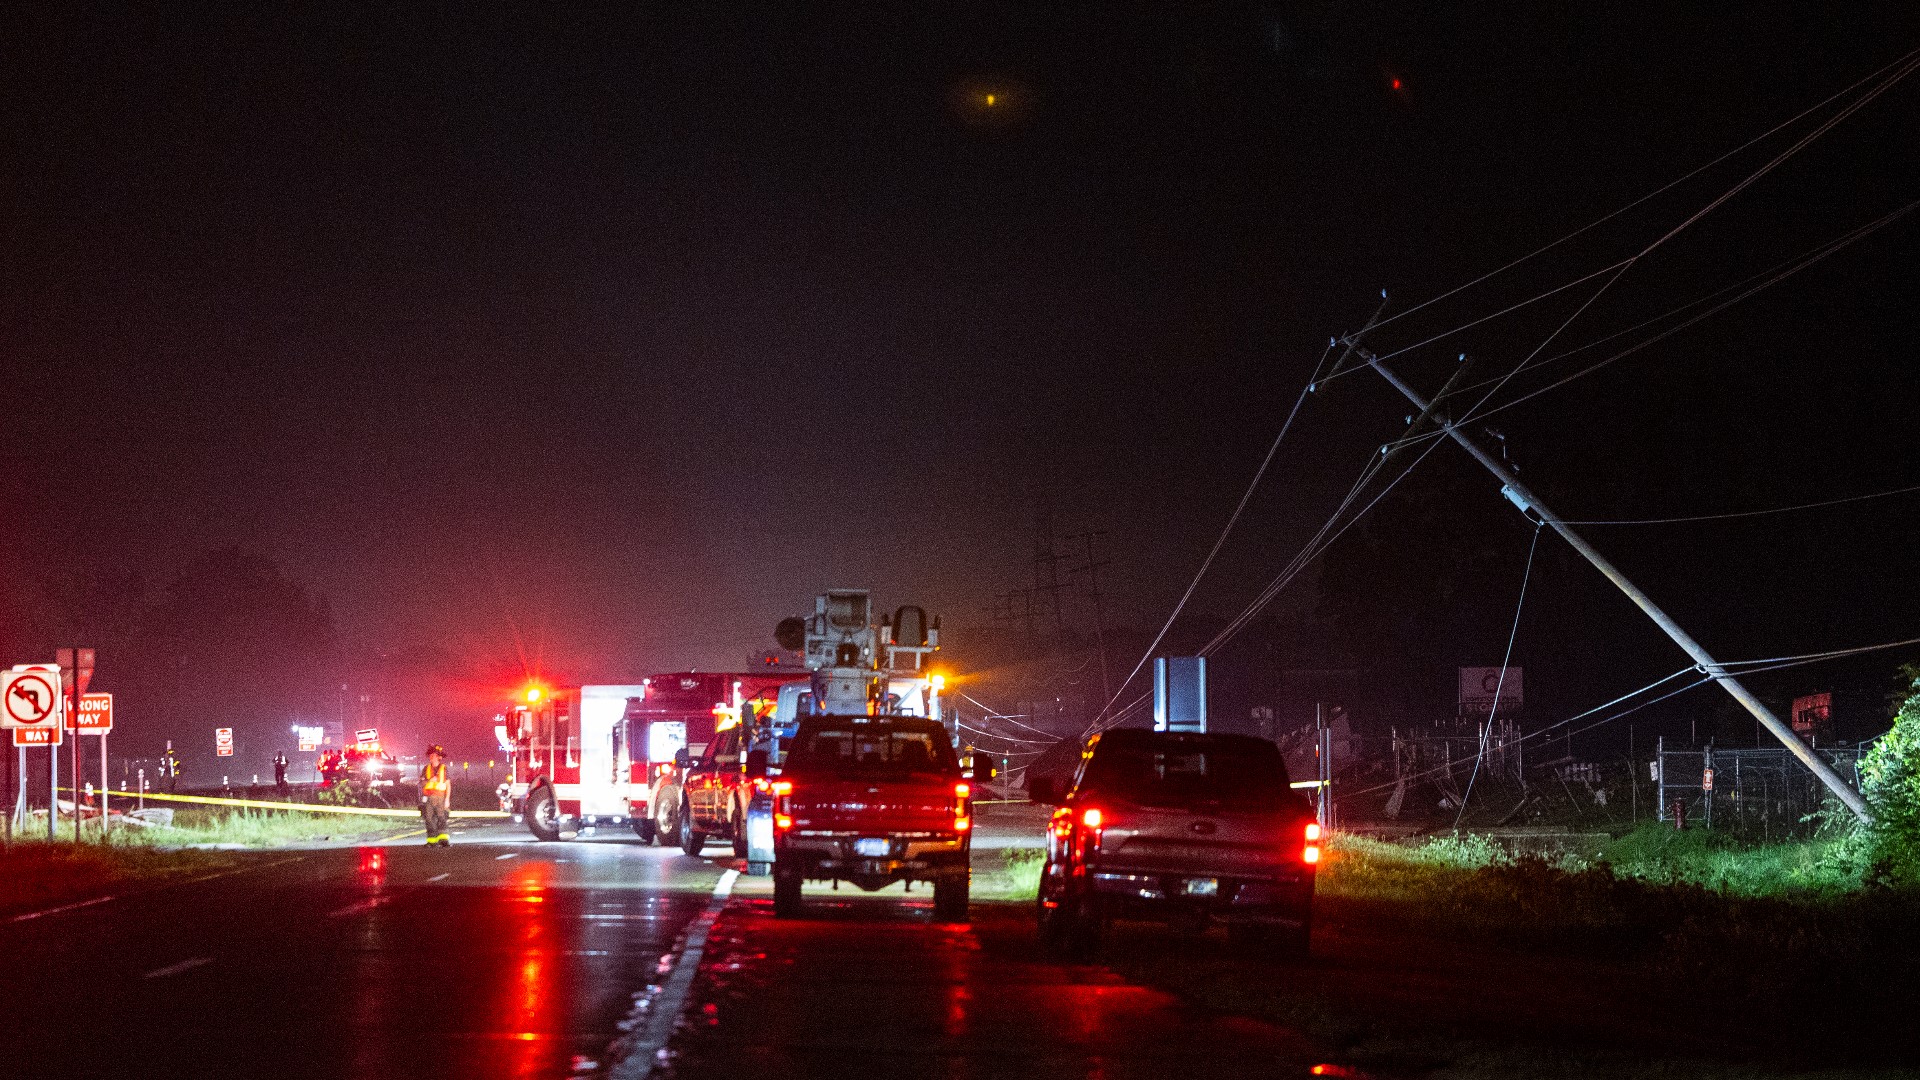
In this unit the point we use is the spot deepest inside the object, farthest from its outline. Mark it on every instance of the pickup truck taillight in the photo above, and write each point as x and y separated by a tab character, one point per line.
782	804
1310	854
962	807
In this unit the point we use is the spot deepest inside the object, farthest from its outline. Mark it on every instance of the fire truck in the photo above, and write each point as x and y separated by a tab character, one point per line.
586	756
854	667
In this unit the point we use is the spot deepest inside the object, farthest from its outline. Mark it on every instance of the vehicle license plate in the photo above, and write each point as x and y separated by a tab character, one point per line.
870	846
1203	886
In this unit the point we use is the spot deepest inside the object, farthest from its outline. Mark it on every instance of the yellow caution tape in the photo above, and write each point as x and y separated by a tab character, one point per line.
312	808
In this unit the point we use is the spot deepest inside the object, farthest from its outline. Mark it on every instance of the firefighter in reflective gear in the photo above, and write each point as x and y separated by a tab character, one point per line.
435	792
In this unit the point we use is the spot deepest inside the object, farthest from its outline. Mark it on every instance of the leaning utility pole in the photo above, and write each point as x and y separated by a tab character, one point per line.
1517	494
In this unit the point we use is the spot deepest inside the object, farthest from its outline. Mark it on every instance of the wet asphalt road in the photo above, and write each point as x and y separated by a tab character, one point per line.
870	987
454	962
502	957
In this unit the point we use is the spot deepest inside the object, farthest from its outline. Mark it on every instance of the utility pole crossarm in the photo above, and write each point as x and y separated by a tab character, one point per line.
1517	493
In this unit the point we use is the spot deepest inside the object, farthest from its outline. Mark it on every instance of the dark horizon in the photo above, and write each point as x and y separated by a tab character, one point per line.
597	342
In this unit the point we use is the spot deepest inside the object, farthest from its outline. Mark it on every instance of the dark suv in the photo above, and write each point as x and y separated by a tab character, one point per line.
1185	827
872	800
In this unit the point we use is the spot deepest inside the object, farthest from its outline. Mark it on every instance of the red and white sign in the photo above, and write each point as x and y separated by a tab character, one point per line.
1481	688
43	736
30	699
223	742
1811	714
96	714
367	738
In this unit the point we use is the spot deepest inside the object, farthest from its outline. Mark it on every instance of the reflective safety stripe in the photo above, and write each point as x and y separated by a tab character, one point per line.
433	779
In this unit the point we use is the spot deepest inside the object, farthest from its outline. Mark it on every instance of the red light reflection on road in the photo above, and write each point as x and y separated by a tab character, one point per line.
529	1005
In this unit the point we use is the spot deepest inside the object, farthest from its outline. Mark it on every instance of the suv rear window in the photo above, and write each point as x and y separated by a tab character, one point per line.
1183	774
871	749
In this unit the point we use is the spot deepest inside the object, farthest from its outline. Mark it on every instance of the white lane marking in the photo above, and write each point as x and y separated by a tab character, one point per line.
158	888
61	908
653	1017
439	877
356	908
508	855
175	969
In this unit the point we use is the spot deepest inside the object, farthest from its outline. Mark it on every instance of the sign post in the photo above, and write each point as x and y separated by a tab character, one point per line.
30	706
95	717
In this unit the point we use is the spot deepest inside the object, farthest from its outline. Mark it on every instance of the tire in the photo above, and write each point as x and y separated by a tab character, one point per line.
645	829
692	840
1085	928
1052	922
786	893
543	814
950	894
666	825
739	830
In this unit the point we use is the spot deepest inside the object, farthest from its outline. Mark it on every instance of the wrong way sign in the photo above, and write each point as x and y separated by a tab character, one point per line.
30	699
95	715
223	742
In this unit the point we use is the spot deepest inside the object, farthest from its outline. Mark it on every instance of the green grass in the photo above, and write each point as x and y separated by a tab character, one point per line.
256	828
1008	875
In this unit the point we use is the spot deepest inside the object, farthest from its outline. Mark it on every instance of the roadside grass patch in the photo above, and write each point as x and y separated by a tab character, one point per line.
35	874
1010	875
256	828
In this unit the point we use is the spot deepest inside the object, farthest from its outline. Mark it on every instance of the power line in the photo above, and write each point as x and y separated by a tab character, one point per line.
1514	632
1753	513
1220	542
1763	136
1002	738
1765	280
1776	662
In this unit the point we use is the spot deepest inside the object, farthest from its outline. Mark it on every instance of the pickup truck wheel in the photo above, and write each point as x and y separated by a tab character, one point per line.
645	829
950	898
1085	927
738	828
666	827
543	814
1052	921
786	893
691	839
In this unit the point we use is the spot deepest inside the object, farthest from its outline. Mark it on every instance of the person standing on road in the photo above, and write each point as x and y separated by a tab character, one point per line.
280	773
436	791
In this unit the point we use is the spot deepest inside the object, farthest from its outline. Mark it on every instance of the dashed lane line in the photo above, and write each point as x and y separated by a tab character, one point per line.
508	855
652	1020
175	969
77	905
439	877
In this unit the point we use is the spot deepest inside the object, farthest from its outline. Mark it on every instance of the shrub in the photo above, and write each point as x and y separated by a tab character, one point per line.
1890	781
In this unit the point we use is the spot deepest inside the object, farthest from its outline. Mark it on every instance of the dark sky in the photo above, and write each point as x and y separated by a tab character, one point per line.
628	328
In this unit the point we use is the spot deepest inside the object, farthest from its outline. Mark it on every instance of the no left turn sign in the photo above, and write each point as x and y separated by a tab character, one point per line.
29	699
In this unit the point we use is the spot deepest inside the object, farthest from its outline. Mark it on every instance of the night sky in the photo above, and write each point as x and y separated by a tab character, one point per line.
598	338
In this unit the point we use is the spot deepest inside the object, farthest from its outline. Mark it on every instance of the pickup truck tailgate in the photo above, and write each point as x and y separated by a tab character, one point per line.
875	807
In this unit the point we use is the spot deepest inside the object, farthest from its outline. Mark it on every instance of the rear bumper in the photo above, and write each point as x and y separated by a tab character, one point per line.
1281	898
824	856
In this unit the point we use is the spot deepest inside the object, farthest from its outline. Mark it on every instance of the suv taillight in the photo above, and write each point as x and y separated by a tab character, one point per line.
782	805
1310	854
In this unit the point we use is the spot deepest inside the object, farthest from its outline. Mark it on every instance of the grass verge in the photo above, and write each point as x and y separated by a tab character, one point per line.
35	875
258	828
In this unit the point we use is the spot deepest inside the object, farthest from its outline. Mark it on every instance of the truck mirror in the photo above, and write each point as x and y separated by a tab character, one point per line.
756	764
681	759
1044	789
